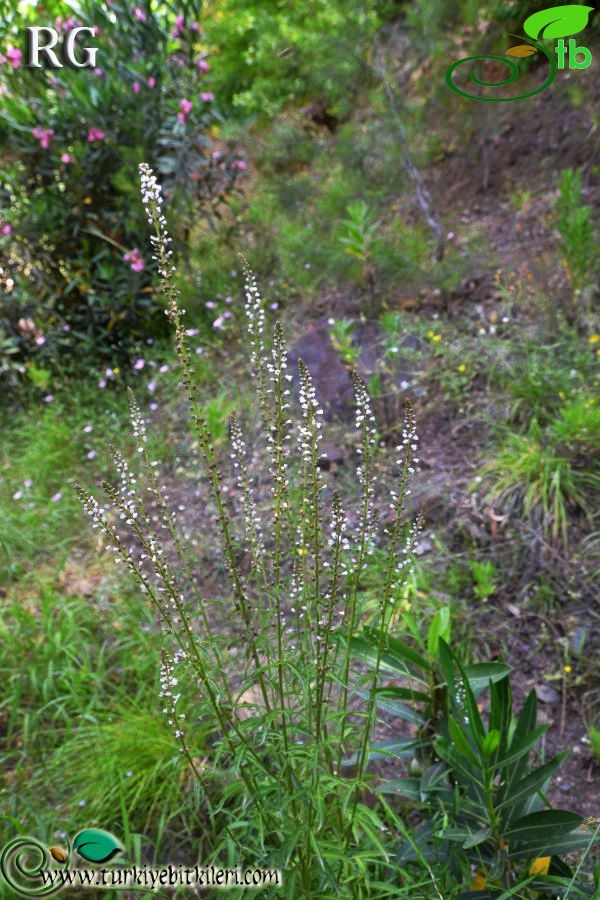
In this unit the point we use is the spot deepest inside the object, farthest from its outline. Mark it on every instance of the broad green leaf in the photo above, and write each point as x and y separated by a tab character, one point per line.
478	837
440	627
550	884
395	708
557	22
403	787
479	675
96	845
366	649
541	828
491	742
562	843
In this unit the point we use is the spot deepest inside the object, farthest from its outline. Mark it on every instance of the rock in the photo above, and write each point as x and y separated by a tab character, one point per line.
330	376
546	693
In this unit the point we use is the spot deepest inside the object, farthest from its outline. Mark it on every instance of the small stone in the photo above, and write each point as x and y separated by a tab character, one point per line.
546	694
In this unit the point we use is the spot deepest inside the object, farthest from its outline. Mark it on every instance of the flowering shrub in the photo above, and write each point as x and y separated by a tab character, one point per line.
69	139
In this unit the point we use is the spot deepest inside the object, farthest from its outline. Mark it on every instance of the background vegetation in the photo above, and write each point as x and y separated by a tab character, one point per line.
445	252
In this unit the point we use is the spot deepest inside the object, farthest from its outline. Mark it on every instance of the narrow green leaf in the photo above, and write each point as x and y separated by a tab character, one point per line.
532	783
478	837
461	742
395	647
523	747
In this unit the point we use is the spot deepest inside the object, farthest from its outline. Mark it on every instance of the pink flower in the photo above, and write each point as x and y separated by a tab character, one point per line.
219	322
17	495
191	332
139	364
66	158
88	428
199	350
210	304
179	26
56	497
152	81
135	87
139	14
14	57
48	398
216	154
136	263
91	454
6	229
109	373
98	72
181	117
153	406
207	96
40	340
240	164
185	106
203	65
151	386
164	368
42	135
102	383
28	482
95	134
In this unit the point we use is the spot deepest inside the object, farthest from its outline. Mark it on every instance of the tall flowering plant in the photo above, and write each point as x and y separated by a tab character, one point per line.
291	720
70	226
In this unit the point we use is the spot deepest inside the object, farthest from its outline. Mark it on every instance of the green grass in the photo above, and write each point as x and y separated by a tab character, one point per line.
44	452
533	476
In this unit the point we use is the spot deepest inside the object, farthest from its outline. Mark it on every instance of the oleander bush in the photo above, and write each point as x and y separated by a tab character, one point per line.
81	290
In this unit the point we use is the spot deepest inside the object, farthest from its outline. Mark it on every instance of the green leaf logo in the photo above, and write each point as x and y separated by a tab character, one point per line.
96	845
560	21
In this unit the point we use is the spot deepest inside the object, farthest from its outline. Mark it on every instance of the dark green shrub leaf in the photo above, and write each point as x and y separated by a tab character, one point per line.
540	828
479	675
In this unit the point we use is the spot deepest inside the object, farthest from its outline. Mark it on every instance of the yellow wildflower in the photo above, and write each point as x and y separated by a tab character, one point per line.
594	338
479	882
462	367
568	669
540	865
